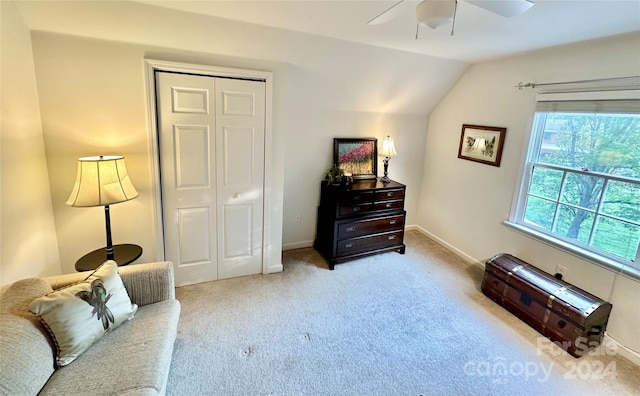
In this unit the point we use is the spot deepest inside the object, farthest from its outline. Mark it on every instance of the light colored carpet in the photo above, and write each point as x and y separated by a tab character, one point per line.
413	324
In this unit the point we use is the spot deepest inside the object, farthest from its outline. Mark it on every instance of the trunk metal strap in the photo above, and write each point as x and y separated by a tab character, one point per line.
513	271
550	300
592	308
553	296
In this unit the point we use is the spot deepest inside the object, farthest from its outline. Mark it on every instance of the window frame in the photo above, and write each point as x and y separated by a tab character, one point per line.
532	145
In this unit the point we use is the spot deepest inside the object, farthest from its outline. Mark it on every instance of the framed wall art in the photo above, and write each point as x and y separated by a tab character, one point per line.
357	156
482	144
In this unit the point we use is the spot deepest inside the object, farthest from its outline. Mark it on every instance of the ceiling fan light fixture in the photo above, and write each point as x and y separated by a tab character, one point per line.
435	13
506	8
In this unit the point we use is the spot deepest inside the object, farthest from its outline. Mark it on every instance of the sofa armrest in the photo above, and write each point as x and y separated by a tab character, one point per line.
146	283
149	283
60	281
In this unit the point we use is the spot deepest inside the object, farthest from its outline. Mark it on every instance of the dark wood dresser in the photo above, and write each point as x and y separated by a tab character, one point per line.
366	218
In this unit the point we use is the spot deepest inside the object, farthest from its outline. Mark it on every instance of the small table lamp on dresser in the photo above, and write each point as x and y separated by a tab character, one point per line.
104	181
388	150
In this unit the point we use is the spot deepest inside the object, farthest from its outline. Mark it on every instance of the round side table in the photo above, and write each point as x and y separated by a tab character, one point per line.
122	254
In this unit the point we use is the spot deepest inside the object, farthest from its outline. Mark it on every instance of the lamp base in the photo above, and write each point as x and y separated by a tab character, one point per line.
385	178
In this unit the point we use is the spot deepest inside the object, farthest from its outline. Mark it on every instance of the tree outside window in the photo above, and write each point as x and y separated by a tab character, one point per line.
584	181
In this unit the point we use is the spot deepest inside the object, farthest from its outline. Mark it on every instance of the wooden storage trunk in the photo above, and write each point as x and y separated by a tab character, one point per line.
569	316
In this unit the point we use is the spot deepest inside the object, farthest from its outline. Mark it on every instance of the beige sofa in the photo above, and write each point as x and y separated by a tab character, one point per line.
133	359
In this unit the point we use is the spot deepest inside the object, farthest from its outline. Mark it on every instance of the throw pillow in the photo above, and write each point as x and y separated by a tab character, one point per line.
79	315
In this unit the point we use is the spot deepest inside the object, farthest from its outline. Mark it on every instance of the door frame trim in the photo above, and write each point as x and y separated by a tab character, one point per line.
272	186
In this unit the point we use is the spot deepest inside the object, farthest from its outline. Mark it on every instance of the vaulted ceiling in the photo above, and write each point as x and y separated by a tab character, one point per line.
479	34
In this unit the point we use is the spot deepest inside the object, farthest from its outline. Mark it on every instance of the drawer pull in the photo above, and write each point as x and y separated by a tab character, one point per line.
392	222
356	209
349	245
351	229
389	194
392	237
388	205
357	198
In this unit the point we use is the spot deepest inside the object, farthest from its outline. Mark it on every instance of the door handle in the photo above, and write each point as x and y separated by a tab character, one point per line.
236	196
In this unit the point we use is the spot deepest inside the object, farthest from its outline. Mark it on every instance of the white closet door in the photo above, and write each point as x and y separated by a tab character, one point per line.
201	157
240	115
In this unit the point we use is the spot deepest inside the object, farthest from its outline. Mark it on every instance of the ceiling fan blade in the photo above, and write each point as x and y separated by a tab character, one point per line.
387	14
506	8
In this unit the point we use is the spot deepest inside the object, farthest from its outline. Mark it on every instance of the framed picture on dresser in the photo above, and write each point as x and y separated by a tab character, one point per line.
356	156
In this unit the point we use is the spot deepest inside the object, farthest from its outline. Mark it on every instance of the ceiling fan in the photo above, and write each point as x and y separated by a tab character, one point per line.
436	13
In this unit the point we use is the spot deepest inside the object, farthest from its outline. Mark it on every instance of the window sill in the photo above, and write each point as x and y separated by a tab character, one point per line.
601	261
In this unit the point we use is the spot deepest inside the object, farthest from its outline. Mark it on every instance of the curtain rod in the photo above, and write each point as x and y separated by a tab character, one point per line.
614	82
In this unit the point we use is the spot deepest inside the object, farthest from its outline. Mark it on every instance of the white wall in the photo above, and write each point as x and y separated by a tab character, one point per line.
89	67
463	203
28	244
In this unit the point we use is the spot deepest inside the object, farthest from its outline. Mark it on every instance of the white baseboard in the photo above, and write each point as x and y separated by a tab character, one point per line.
297	245
275	268
630	355
413	227
448	246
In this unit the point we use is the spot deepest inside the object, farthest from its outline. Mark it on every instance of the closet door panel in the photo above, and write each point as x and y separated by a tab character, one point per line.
240	158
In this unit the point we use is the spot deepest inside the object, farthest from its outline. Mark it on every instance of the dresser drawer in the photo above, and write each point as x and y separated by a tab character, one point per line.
354	209
364	244
388	205
371	226
358	198
389	194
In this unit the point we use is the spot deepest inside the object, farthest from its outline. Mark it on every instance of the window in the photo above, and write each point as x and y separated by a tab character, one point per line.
581	185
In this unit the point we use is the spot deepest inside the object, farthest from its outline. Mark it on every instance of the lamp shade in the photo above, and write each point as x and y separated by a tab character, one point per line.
435	13
101	180
388	148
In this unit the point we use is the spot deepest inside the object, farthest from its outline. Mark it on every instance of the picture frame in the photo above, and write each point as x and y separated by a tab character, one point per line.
482	144
357	156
